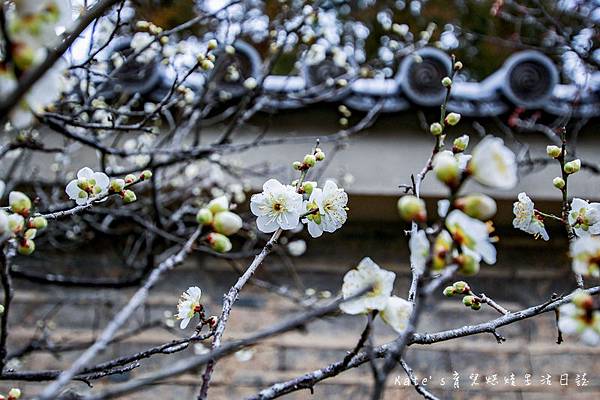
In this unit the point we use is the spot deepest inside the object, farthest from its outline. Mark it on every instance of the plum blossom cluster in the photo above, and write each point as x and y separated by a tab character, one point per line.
13	394
286	207
33	26
462	237
20	223
222	221
93	186
378	284
190	306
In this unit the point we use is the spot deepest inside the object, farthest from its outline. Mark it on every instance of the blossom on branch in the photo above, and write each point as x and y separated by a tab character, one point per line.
584	217
493	164
472	234
88	186
331	203
585	253
367	274
580	318
397	313
526	219
278	206
189	305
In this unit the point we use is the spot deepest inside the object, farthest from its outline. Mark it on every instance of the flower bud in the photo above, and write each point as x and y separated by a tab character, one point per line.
558	182
412	208
446	81
573	166
250	83
553	151
449	291
26	247
297	165
117	185
204	216
4	225
38	223
460	144
452	118
468	300
343	121
30	233
1	312
308	187
129	196
19	203
14	394
227	223
207	65
146	174
461	287
446	168
218	242
476	306
130	178
229	49
436	129
477	205
218	204
458	66
310	160
320	156
212	44
16	223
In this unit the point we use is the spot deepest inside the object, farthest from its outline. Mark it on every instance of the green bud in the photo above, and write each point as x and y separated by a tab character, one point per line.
446	168
310	160
449	291
227	223
461	287
130	178
146	174
573	166
436	129
452	118
19	203
207	65
460	144
458	66
204	216
218	204
297	165
14	394
412	208
468	300
553	151
320	156
308	187
30	233
26	247
129	196
1	309
558	182
477	205
117	185
475	306
446	81
38	223
219	243
16	223
212	44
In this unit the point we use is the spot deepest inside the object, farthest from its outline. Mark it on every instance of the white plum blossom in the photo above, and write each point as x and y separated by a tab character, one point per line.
584	217
585	253
472	234
579	318
493	164
189	305
397	313
88	186
419	251
278	206
526	219
331	202
367	274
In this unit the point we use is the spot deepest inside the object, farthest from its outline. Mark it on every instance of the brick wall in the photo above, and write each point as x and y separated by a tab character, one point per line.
527	273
